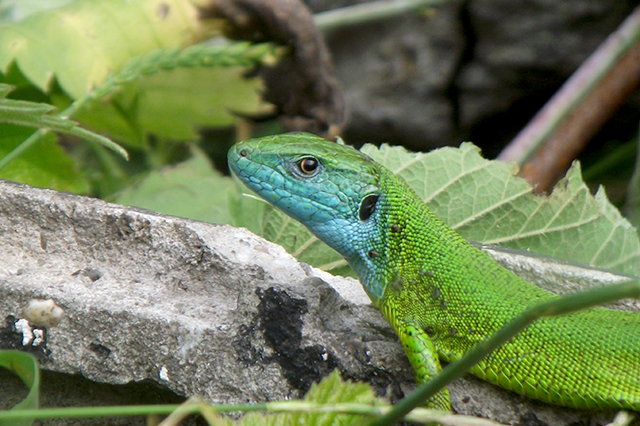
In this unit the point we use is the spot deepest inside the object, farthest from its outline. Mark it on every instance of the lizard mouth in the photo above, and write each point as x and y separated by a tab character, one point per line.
276	183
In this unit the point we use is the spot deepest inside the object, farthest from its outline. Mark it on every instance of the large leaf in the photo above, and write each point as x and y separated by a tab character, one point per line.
80	43
192	189
485	202
44	165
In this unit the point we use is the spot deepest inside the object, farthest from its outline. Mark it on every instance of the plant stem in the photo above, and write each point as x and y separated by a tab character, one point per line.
369	12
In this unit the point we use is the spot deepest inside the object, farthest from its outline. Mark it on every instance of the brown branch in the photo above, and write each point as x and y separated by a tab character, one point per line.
556	134
553	158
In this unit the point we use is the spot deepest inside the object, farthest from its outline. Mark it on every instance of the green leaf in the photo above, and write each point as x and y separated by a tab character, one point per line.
192	189
140	56
172	92
332	389
45	164
26	367
96	37
35	114
486	202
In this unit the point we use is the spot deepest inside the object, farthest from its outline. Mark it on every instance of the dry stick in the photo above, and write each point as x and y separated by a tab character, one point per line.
580	107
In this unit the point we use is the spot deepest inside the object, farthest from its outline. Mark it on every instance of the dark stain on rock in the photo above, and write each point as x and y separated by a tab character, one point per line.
12	338
384	383
280	318
248	353
279	321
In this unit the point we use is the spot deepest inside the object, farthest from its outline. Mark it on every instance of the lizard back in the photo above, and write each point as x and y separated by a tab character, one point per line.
459	295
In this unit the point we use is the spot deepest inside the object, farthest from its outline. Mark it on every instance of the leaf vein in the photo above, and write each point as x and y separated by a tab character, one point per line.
502	202
603	244
541	231
455	180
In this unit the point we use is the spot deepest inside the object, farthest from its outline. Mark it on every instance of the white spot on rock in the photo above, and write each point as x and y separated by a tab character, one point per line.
43	312
22	326
39	337
164	374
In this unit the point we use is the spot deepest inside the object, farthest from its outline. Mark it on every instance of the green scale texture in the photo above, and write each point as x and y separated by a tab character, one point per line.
439	293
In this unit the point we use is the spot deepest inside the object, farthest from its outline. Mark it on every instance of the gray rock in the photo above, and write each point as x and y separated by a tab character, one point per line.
397	75
199	309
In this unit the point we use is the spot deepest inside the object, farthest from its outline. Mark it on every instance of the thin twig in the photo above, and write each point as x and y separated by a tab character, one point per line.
369	12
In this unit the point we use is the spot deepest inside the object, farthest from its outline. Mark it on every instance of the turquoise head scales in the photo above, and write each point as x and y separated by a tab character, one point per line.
301	175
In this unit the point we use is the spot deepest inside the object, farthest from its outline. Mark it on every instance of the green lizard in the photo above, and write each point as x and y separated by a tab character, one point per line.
439	293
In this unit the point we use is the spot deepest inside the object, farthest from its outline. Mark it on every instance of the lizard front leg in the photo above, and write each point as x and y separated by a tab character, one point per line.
423	356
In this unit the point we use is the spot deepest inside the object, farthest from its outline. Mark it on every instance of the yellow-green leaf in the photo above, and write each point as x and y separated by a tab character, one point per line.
81	43
45	164
192	189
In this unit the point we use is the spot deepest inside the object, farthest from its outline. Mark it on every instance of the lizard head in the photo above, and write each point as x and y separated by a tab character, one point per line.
332	189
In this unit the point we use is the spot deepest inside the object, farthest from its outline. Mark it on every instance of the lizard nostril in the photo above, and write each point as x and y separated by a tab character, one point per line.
243	153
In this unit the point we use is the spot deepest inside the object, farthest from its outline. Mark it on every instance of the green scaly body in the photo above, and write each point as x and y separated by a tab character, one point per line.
440	294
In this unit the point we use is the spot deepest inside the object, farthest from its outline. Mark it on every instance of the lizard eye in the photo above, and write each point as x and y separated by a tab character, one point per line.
308	165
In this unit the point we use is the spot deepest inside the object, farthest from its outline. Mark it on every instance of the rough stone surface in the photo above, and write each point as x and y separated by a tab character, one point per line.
199	309
397	75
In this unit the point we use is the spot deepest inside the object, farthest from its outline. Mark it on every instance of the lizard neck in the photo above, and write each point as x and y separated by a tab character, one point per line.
397	241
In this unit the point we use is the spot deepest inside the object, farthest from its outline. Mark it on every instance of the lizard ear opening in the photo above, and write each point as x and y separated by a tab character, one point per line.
368	206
